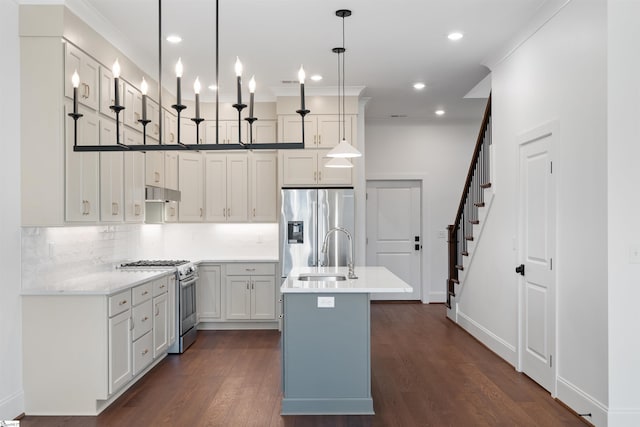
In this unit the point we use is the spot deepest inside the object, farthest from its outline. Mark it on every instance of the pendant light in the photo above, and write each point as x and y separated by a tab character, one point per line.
343	150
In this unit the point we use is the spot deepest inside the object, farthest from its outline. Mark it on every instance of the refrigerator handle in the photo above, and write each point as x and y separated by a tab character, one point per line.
314	232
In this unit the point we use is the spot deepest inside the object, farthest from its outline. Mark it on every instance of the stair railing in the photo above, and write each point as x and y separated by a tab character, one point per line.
478	178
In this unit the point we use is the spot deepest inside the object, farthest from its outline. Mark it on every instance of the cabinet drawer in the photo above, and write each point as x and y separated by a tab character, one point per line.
142	319
119	302
142	353
160	286
247	269
142	293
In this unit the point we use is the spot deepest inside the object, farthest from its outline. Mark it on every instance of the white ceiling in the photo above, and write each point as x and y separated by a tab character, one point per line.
390	45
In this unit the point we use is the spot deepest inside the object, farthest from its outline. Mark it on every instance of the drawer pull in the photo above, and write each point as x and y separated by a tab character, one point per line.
123	302
250	269
145	352
145	293
145	318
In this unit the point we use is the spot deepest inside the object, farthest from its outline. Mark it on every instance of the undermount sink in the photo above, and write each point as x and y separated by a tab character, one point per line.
321	278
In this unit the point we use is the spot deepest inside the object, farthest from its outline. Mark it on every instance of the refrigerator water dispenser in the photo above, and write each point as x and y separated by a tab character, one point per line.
295	230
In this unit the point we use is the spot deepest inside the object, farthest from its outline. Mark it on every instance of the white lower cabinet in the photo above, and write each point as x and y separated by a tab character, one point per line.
237	295
108	341
209	293
120	369
160	324
251	291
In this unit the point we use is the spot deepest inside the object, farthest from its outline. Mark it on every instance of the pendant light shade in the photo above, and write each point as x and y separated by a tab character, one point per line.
339	162
343	150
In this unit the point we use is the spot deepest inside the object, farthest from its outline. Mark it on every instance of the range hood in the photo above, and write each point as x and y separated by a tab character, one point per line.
160	194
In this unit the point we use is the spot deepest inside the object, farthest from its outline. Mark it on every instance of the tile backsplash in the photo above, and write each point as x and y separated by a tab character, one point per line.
53	254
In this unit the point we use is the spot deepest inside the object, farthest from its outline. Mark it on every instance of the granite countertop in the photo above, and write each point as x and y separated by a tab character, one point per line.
370	280
103	283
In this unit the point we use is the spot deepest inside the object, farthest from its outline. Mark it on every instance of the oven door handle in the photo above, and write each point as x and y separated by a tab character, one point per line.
189	282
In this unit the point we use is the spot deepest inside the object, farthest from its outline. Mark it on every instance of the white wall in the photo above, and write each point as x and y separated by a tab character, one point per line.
559	74
439	155
11	393
624	211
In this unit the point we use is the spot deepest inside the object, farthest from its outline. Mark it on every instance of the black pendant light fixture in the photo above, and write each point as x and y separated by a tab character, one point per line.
179	108
343	151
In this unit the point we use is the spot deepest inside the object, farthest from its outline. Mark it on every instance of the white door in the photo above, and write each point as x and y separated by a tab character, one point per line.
537	237
394	239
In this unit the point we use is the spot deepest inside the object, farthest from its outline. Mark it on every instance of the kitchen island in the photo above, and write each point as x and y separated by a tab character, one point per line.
326	348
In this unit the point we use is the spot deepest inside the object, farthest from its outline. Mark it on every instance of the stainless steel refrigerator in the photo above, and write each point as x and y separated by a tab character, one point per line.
307	215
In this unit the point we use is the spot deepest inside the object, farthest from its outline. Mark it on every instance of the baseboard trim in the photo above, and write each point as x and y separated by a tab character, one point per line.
582	403
437	297
488	338
12	406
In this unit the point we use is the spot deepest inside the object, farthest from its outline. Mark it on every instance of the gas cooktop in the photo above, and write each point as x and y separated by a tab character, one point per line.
155	263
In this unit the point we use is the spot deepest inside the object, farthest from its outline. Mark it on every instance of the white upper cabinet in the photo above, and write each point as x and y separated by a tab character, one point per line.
170	128
111	175
264	131
226	187
263	187
132	107
82	169
170	169
153	128
227	131
190	180
88	71
306	167
321	131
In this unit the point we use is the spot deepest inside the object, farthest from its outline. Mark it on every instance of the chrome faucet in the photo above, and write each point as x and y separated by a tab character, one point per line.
352	274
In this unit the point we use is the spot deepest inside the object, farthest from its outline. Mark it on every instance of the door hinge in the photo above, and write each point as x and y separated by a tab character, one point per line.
551	361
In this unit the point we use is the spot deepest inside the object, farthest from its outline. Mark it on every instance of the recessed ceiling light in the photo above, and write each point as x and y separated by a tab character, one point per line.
419	85
174	38
316	77
212	87
440	112
455	36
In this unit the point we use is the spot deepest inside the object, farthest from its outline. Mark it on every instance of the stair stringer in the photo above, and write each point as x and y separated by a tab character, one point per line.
483	213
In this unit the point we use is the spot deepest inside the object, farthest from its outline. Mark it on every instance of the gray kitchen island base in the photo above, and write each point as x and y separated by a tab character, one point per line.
326	354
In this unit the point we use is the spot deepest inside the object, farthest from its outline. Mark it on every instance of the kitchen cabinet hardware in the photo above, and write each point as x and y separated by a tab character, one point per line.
201	212
250	269
146	350
319	175
123	302
145	318
145	293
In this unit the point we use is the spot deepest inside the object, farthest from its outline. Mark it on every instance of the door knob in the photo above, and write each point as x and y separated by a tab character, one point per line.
520	269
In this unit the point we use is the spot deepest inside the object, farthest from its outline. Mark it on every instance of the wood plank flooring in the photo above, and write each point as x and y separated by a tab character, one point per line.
426	371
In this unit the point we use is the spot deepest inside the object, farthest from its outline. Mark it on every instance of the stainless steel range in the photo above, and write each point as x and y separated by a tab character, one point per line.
186	314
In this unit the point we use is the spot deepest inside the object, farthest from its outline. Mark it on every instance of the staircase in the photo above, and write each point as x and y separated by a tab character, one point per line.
474	203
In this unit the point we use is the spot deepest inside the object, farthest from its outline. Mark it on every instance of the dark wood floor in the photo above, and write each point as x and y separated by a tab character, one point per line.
426	372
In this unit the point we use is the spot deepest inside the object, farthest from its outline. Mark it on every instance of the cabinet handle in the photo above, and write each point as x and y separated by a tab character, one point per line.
136	209
157	176
132	327
247	285
201	212
145	293
224	212
162	287
157	311
250	269
145	352
254	212
171	137
319	139
173	211
136	115
88	91
252	285
145	318
200	140
88	207
156	128
320	176
114	208
123	302
228	212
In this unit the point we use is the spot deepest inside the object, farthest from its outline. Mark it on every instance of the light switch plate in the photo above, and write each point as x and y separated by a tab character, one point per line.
326	302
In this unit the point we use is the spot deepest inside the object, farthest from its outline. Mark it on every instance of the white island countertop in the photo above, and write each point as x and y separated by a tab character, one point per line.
370	280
